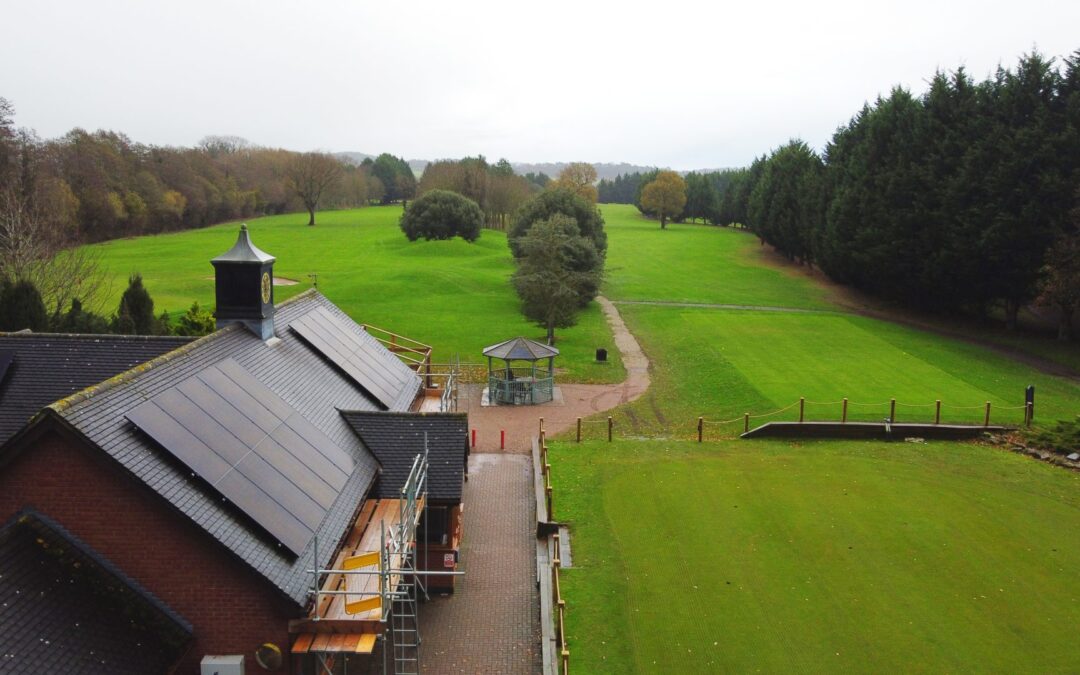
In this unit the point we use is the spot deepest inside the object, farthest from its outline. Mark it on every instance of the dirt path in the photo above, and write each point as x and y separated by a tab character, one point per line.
579	400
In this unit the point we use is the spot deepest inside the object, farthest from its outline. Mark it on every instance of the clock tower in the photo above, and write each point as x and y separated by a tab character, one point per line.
244	287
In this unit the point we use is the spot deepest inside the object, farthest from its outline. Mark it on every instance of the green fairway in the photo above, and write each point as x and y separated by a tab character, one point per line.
818	557
450	294
694	263
722	363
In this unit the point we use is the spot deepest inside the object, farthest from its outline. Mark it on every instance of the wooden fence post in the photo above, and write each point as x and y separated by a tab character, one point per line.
937	411
892	409
802	406
550	504
986	420
541	425
746	423
843	413
579	430
700	426
610	424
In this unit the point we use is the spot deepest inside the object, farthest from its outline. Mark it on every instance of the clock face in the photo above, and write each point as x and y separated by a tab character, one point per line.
266	287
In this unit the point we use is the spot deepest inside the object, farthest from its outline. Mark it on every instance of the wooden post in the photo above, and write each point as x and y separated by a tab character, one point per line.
843	413
557	562
700	428
802	406
610	424
550	505
746	423
892	409
579	430
937	411
986	420
541	425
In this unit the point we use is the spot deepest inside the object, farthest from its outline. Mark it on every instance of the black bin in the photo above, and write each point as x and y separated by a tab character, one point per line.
601	355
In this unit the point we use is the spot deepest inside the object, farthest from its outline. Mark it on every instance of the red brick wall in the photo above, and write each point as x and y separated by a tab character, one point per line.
232	609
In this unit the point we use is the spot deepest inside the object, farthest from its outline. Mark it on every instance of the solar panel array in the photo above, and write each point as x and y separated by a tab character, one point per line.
362	358
252	446
6	358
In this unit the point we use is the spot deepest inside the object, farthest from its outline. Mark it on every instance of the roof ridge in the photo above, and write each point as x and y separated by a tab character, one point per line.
130	374
95	336
303	294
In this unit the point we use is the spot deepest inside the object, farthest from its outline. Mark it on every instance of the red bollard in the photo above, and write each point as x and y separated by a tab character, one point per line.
474	439
502	439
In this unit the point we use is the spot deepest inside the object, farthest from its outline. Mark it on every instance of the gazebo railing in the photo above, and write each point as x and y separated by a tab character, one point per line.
518	386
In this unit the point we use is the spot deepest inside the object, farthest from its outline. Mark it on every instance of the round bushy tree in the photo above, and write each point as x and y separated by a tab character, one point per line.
441	214
550	203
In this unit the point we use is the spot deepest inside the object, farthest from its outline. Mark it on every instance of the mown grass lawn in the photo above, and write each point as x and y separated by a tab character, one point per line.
768	556
818	557
453	295
695	263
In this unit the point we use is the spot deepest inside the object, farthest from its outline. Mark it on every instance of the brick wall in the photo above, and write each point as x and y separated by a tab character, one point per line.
232	609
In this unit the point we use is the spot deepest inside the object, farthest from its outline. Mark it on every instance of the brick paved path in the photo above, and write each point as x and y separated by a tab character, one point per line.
491	623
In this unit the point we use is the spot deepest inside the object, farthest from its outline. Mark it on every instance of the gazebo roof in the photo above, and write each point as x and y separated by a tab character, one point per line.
521	349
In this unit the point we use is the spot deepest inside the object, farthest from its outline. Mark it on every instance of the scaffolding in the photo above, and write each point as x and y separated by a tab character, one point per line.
385	612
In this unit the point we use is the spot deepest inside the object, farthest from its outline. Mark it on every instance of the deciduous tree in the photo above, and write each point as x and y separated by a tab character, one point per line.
665	196
579	178
312	175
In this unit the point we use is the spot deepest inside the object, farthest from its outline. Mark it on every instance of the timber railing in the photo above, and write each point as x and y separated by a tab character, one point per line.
550	579
842	411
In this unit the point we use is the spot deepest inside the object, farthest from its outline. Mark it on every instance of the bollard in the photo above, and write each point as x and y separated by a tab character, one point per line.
937	411
700	426
502	439
474	439
892	409
1029	413
843	413
802	406
746	423
579	430
986	420
610	424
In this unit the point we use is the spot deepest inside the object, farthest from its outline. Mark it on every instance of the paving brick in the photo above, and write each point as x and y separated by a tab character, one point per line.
491	624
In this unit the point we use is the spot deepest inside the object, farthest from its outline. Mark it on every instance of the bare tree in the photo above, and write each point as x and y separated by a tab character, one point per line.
311	174
37	245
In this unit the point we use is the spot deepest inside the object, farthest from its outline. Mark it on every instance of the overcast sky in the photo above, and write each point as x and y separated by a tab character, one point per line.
671	83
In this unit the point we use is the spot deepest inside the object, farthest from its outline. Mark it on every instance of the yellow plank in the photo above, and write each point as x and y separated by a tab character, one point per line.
366	644
374	602
362	560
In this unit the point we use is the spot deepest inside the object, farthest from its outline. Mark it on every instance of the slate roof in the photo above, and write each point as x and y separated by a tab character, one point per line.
521	349
48	367
65	609
396	439
244	251
289	367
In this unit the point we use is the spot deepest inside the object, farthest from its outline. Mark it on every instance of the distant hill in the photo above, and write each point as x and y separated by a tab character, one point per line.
608	170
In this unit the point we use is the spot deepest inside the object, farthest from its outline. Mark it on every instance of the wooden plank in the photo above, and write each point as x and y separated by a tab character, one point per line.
364	605
320	642
303	643
337	643
355	562
365	645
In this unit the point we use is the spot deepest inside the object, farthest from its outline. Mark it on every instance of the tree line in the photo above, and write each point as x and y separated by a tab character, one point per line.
963	198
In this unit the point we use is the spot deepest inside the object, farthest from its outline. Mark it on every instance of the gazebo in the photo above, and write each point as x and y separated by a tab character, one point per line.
521	385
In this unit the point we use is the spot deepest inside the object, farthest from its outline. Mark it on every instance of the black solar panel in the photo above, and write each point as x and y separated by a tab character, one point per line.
6	358
362	358
260	453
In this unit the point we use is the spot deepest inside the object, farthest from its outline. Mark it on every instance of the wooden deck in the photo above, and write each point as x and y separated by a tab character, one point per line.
333	625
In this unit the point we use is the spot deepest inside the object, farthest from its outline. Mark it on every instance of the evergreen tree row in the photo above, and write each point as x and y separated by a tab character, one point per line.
949	200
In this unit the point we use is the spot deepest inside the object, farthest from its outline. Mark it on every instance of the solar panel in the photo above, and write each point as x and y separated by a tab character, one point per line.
6	358
363	359
252	446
